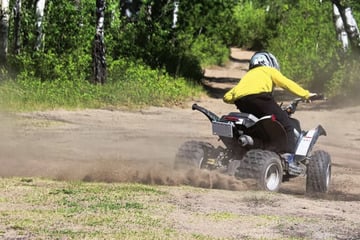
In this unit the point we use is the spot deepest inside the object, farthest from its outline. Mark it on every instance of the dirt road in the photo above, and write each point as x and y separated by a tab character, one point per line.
105	145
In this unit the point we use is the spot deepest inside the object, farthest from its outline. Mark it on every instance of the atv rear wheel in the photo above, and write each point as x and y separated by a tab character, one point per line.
193	154
263	166
318	172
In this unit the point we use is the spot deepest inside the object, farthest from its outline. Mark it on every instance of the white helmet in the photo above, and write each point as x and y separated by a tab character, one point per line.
264	59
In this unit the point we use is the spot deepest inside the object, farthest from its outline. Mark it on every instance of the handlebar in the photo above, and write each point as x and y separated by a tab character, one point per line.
210	115
291	108
317	97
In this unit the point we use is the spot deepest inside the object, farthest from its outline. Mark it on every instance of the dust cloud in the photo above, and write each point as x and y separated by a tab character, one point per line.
154	174
67	154
123	172
140	146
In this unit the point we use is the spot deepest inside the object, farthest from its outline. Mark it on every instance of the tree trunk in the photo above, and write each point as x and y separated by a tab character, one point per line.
17	26
352	27
340	28
125	6
346	26
175	13
99	61
4	28
40	7
130	9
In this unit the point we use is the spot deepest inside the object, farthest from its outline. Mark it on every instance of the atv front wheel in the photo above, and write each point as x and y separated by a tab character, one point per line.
193	154
318	172
263	166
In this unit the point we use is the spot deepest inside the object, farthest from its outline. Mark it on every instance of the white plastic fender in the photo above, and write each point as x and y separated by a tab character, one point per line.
305	143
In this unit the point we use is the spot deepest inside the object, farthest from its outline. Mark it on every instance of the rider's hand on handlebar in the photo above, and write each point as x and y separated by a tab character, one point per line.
311	97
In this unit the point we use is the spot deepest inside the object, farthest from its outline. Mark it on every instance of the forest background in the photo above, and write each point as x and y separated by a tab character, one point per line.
153	52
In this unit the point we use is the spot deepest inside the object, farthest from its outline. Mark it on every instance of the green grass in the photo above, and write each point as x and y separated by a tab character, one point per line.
37	95
34	208
129	86
46	209
37	208
76	210
221	216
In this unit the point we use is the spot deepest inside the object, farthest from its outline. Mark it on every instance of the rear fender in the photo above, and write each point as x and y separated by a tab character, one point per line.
308	140
270	132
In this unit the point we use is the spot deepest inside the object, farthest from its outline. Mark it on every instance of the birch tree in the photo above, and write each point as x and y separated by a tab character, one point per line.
345	25
40	8
130	9
175	13
99	61
4	28
17	26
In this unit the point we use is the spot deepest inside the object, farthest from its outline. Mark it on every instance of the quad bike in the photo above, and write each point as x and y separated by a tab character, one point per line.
253	148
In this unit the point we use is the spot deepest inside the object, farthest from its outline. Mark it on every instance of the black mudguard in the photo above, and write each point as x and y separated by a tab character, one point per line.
270	132
210	115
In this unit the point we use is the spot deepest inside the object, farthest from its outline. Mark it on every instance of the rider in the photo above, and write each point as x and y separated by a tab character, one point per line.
253	94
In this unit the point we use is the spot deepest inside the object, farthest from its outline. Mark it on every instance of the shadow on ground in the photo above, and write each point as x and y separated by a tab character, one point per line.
213	90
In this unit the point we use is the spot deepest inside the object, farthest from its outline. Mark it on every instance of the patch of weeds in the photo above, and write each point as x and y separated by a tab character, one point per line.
17	227
142	188
133	205
26	180
294	227
269	217
61	191
148	234
111	206
221	216
74	234
201	237
254	201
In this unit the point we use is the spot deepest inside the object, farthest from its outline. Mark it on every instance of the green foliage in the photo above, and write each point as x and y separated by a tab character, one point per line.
68	30
29	93
300	33
49	66
145	86
250	25
210	51
152	39
306	42
255	23
69	26
345	81
205	30
309	52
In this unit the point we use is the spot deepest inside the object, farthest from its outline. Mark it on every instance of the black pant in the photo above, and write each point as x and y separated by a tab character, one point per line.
263	104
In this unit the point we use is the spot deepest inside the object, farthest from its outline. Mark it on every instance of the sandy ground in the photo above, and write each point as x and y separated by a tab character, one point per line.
139	146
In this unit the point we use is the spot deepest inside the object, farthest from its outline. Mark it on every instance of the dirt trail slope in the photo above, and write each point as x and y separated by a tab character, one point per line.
103	145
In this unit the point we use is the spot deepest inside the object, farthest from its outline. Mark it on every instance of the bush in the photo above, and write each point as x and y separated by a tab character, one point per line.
130	84
210	51
345	81
249	26
145	86
306	43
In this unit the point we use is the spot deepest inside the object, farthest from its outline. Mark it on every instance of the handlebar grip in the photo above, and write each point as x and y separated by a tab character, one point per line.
319	96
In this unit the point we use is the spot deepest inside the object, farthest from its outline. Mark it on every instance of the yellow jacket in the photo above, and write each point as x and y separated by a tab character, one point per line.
263	79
